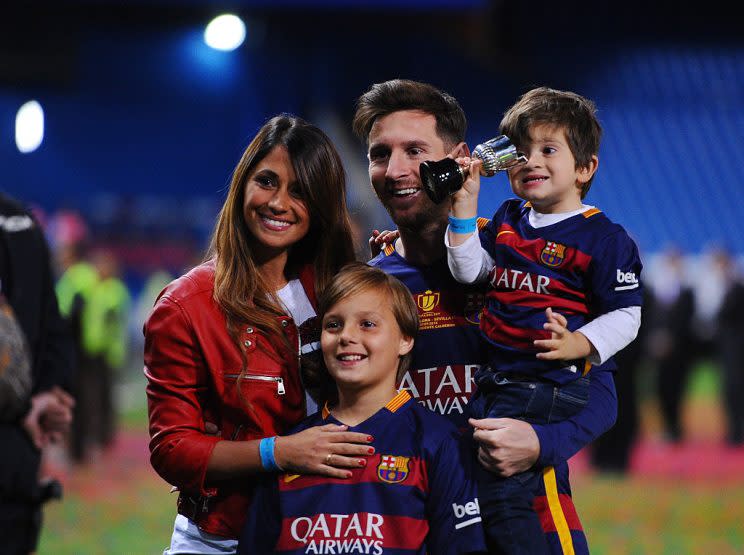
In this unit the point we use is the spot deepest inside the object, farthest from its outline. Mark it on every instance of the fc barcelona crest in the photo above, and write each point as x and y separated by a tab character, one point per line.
427	300
553	253
392	469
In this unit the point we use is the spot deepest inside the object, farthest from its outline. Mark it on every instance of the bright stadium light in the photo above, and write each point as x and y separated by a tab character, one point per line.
29	127
225	32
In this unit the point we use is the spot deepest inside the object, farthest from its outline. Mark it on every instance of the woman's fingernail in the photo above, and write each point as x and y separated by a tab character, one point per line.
371	450
362	462
370	438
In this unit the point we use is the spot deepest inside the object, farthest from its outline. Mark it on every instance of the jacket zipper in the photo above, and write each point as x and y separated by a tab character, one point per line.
279	381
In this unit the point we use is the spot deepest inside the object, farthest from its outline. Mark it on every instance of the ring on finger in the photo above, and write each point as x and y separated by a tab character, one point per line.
328	458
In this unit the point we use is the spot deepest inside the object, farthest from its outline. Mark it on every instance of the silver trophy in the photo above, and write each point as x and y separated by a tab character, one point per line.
442	178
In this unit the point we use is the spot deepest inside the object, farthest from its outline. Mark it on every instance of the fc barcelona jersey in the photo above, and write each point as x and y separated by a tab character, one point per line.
448	348
415	495
582	267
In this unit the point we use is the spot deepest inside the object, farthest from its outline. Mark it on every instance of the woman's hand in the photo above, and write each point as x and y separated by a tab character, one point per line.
325	450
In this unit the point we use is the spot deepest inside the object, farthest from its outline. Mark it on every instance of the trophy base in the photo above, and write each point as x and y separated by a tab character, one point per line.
440	179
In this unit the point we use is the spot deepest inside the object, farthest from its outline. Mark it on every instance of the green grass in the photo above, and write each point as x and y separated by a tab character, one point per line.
123	509
621	517
138	518
627	517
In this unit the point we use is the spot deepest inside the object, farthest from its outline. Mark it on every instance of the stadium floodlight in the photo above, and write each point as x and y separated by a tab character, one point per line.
29	127
225	32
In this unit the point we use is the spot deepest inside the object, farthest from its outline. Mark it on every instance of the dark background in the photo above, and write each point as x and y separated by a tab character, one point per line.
144	123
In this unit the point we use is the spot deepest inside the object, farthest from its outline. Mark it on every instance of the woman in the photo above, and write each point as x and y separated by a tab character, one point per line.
223	342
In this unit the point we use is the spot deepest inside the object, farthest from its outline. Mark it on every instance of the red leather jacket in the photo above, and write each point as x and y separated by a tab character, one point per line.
192	365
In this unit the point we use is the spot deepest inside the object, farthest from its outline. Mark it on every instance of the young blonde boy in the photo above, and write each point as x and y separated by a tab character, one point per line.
415	494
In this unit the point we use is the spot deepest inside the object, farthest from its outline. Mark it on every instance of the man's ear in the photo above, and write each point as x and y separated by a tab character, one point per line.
459	151
586	172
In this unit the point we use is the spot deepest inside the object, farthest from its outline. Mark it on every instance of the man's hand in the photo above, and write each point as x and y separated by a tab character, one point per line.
50	416
506	446
563	344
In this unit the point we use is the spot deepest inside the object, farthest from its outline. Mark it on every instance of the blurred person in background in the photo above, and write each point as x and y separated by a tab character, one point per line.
729	342
106	335
612	451
74	288
672	346
26	281
224	342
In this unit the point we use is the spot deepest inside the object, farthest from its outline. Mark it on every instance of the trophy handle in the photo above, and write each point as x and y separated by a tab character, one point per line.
498	154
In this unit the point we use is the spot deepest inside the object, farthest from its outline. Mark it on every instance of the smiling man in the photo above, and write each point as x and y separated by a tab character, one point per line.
405	123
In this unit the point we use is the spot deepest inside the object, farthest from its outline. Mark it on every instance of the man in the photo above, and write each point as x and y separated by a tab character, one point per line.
405	123
26	283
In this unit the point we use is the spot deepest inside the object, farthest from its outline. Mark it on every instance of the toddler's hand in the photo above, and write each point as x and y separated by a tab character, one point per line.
563	343
465	200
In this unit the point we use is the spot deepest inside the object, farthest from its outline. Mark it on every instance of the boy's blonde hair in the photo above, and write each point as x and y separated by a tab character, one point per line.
543	105
355	278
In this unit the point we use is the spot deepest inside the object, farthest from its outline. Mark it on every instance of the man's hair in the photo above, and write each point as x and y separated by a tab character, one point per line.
542	105
402	94
355	278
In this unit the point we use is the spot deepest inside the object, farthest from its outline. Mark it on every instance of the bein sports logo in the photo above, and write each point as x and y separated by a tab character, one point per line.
626	280
470	512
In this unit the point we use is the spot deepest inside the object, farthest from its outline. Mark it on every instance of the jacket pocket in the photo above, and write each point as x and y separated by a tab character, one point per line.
277	381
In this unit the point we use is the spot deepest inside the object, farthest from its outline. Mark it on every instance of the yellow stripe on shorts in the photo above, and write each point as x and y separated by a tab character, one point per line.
556	511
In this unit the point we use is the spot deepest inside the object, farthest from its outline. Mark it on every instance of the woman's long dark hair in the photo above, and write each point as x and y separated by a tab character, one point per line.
239	288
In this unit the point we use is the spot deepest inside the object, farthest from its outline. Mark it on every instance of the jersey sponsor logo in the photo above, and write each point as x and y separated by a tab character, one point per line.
442	389
518	280
427	301
339	533
393	469
626	281
553	254
467	514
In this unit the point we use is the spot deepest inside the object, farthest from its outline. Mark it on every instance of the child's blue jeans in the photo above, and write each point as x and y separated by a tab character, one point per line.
511	524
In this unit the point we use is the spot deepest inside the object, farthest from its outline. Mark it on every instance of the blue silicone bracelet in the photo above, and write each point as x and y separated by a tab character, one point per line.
266	450
462	225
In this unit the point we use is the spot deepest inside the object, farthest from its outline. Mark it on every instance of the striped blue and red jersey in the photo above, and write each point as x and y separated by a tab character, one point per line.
581	267
448	348
415	495
448	351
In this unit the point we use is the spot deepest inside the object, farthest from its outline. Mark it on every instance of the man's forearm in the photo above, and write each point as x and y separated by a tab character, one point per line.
562	440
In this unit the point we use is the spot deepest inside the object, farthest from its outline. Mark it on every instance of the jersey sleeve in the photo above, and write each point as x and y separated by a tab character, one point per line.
262	529
616	274
562	440
488	231
452	507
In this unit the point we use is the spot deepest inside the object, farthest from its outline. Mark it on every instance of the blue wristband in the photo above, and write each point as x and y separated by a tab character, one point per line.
462	225
266	450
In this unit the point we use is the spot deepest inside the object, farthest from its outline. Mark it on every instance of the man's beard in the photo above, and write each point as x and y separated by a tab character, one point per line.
424	216
412	221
